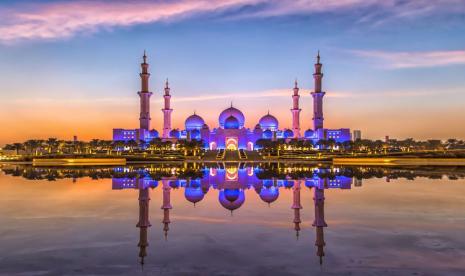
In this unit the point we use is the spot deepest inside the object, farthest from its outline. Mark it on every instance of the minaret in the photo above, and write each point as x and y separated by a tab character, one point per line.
296	111
319	222
296	206
167	111
166	207
317	95
144	223
144	95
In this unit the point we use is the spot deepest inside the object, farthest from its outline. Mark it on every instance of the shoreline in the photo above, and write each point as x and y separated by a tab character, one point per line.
362	161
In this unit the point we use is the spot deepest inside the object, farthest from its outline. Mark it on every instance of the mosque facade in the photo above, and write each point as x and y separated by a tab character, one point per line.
231	132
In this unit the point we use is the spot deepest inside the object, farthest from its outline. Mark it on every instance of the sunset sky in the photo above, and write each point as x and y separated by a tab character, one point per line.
391	67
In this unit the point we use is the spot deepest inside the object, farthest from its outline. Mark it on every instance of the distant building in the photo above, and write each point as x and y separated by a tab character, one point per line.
357	135
231	132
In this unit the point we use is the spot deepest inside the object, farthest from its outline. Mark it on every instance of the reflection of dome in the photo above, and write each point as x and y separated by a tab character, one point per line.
175	133
308	133
268	122
289	184
232	205
288	133
174	184
269	194
194	195
231	194
267	134
231	111
194	122
231	123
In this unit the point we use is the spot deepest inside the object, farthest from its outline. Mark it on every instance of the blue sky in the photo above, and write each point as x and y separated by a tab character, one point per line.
391	67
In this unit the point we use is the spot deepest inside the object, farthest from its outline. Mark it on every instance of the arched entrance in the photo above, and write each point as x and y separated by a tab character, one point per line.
212	146
249	146
231	143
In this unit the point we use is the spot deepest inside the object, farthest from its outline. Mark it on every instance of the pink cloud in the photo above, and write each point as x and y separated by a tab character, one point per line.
397	60
68	18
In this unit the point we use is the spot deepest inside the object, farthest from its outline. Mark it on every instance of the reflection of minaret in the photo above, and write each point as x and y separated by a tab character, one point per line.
317	95
166	207
319	222
144	223
167	111
144	95
296	112
296	206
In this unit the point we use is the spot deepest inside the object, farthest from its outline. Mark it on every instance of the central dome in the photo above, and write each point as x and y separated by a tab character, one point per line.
234	112
231	123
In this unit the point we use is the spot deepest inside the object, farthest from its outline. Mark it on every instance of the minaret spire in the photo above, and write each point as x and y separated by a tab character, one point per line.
144	223
317	95
296	111
166	207
144	95
319	222
167	111
296	206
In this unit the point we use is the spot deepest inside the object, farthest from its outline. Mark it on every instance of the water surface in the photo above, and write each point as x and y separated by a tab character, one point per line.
232	219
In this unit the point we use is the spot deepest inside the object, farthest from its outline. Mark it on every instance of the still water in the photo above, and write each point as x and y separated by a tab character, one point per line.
232	219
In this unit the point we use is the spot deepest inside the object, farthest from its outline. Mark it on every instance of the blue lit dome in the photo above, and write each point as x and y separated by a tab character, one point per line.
194	122
308	133
268	122
154	133
175	133
232	205
288	133
195	134
269	195
267	134
234	112
193	195
231	123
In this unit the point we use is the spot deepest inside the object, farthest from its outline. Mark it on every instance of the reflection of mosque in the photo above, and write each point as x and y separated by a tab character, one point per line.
231	182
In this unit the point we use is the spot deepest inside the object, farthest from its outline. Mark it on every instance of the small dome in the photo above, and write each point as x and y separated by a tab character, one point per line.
269	195
194	122
195	134
154	133
231	123
257	126
231	111
193	195
269	122
267	134
175	133
232	205
308	133
288	133
205	126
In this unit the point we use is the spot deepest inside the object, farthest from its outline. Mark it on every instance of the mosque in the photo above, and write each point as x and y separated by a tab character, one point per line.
231	132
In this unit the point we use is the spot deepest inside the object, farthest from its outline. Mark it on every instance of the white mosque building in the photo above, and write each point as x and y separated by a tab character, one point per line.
231	132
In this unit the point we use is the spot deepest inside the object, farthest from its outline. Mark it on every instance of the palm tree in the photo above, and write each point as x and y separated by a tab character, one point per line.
32	145
51	144
15	146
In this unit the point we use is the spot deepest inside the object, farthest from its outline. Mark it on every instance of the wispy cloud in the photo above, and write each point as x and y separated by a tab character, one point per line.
67	18
395	60
276	93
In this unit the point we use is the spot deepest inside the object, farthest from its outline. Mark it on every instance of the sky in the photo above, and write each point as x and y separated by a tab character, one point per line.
392	67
